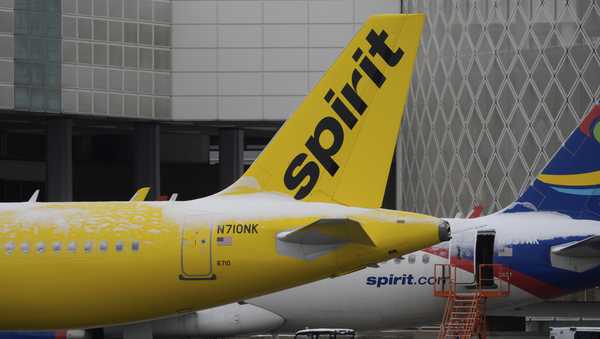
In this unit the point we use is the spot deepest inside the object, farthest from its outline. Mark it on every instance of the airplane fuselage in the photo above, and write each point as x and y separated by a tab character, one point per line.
69	265
399	293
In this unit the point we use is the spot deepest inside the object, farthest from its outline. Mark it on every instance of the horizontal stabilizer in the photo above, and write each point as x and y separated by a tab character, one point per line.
328	232
586	248
141	194
34	196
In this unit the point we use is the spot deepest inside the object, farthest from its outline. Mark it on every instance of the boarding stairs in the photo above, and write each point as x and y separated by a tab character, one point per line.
464	315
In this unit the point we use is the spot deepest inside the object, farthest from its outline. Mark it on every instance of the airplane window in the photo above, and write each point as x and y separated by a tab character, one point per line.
25	247
40	247
398	260
9	247
56	246
119	246
87	246
425	258
72	246
135	245
103	246
412	258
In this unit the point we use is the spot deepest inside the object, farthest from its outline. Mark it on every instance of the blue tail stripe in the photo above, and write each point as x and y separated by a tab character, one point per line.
578	191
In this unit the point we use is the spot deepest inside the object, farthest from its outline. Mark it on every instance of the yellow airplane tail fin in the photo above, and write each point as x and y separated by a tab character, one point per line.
338	145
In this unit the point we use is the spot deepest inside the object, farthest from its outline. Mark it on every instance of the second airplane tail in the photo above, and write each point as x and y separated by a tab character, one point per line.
338	145
570	183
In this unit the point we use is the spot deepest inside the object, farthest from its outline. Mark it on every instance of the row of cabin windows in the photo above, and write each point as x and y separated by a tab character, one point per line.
71	246
412	258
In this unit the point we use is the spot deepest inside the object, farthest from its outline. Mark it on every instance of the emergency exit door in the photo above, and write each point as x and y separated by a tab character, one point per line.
196	252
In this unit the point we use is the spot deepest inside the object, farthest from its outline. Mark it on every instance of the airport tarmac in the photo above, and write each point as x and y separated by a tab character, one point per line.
423	334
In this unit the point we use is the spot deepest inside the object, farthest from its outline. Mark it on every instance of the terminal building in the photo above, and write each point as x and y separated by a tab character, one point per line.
497	88
100	97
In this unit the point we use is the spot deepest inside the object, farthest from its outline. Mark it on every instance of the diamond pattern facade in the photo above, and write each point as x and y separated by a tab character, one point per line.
498	86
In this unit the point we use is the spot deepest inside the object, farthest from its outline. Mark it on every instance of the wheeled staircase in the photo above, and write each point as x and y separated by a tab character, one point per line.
464	315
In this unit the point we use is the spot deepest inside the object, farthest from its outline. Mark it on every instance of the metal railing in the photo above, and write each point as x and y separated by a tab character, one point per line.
492	280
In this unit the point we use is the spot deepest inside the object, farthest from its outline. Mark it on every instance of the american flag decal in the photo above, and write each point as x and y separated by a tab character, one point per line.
224	241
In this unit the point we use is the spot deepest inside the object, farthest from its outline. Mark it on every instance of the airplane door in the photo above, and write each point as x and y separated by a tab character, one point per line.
484	255
196	252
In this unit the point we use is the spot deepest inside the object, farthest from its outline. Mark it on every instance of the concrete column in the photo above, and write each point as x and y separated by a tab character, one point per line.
59	160
146	156
231	155
3	145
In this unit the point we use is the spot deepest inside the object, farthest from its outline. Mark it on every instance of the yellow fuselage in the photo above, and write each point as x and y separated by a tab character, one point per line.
69	265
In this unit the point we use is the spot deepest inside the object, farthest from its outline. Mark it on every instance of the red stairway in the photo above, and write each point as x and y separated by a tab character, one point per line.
464	316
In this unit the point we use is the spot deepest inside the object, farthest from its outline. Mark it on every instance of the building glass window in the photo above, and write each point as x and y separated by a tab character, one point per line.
115	80
100	7
146	106
100	78
162	107
162	60
115	104
131	81
146	82
85	53
68	6
69	27
100	102
131	57
115	8
131	9
7	47
85	7
84	28
116	55
162	36
146	9
162	11
146	58
100	54
85	102
115	31
100	28
131	32
131	105
145	34
6	22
